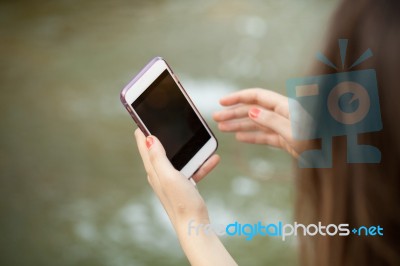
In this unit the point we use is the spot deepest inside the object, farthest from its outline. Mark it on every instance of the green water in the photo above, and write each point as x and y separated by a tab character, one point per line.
72	188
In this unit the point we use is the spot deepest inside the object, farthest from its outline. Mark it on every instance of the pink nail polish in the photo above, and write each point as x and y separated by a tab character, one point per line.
149	142
254	112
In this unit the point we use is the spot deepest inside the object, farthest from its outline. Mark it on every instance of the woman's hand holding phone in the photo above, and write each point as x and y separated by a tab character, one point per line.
179	197
182	201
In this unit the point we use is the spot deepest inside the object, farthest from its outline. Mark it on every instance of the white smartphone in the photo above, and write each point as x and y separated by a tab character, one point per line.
161	107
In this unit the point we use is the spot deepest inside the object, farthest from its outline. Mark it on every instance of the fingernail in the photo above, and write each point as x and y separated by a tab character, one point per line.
149	142
254	112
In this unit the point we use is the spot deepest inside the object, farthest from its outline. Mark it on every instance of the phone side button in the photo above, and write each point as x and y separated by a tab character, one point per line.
129	110
176	79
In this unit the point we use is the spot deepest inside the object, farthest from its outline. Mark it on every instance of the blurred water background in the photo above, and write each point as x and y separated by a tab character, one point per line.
72	188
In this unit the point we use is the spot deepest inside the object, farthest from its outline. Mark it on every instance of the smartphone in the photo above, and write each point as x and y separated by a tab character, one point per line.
160	106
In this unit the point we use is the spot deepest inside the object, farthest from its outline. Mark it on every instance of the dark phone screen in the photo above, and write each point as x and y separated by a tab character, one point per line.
168	115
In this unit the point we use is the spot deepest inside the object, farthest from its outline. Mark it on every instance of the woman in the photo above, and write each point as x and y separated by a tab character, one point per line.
357	194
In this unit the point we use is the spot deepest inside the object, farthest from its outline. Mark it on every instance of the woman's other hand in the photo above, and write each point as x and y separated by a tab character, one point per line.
258	116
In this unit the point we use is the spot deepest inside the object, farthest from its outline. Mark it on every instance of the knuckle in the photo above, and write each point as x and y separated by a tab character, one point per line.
259	91
266	117
282	109
181	209
184	210
149	180
152	157
168	178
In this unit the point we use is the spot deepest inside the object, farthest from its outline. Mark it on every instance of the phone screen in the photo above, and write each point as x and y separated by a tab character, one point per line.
168	115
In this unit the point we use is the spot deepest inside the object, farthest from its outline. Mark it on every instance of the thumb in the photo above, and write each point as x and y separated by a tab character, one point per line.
158	157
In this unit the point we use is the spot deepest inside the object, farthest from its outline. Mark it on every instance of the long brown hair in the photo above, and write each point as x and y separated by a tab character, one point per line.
359	194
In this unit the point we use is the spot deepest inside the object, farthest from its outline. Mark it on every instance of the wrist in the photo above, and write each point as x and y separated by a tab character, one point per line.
200	242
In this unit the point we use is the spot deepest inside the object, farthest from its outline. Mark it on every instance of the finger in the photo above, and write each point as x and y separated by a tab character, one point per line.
239	111
238	125
141	144
158	158
151	174
162	197
259	137
206	168
265	98
273	140
181	194
273	121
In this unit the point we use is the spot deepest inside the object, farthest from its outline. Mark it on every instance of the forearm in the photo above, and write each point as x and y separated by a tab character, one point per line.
203	248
